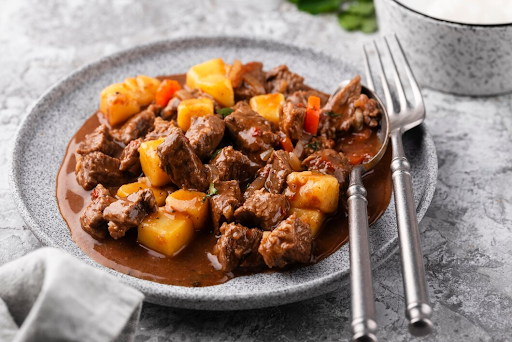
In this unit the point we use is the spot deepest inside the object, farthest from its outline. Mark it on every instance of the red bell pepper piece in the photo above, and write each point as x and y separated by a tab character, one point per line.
286	143
312	115
165	92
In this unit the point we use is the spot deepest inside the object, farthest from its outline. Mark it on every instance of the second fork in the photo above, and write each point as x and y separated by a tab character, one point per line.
418	309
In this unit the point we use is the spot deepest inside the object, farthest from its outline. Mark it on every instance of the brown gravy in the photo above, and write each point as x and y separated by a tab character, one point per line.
191	267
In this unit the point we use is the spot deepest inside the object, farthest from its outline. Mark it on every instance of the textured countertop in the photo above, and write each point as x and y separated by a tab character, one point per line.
466	233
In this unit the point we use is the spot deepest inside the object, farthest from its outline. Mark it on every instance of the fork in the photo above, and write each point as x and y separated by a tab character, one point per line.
418	310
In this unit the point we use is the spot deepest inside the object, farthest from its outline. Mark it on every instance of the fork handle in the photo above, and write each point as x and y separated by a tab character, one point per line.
364	326
418	310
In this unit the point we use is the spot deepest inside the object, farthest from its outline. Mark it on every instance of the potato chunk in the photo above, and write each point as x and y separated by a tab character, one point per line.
267	106
192	203
143	183
193	107
118	103
312	190
150	162
312	217
219	87
212	67
165	233
144	88
211	78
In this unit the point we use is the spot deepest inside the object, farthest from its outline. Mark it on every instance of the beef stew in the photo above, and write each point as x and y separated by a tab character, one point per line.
204	184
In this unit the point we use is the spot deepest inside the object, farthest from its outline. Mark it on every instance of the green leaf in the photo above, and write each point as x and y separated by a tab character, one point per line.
224	111
369	25
319	6
215	154
356	14
314	145
212	191
332	114
350	22
361	8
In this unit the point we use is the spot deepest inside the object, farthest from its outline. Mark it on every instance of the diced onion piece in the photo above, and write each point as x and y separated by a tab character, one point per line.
235	73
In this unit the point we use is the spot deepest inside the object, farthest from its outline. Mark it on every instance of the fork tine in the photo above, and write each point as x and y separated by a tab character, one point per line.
385	86
398	82
418	98
369	79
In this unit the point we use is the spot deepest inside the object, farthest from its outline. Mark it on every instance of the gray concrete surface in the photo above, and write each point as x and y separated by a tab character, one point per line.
466	235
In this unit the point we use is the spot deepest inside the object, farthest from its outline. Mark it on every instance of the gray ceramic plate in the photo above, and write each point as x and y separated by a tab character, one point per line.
59	113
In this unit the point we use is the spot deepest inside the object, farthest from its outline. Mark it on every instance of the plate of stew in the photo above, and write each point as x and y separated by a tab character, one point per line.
210	173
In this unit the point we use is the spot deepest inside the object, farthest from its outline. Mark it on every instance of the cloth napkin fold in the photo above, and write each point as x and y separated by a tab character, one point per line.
48	295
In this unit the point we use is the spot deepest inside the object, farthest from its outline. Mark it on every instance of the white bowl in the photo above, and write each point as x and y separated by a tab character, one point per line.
457	58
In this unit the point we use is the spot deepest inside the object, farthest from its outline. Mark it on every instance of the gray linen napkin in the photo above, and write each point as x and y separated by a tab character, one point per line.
48	295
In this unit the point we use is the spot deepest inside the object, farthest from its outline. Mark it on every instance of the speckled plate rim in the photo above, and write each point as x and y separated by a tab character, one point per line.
201	298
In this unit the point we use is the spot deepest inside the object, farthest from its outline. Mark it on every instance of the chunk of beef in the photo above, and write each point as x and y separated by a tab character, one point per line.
100	140
338	114
263	209
291	120
204	134
302	96
289	242
340	101
92	220
179	161
252	132
272	176
330	162
317	144
258	182
129	160
170	111
183	94
367	111
248	80
129	212
136	127
156	109
282	80
233	164
162	129
97	168
225	202
236	246
280	169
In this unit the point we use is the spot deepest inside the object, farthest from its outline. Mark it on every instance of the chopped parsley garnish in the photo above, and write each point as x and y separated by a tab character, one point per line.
224	111
212	191
215	154
314	145
332	114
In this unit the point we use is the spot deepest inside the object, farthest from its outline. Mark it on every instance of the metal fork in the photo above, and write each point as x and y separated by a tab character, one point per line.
418	310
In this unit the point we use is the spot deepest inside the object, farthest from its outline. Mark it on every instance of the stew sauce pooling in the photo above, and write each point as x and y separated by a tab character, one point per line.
200	263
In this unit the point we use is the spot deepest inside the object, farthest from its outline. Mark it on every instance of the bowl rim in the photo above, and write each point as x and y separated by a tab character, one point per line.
451	22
